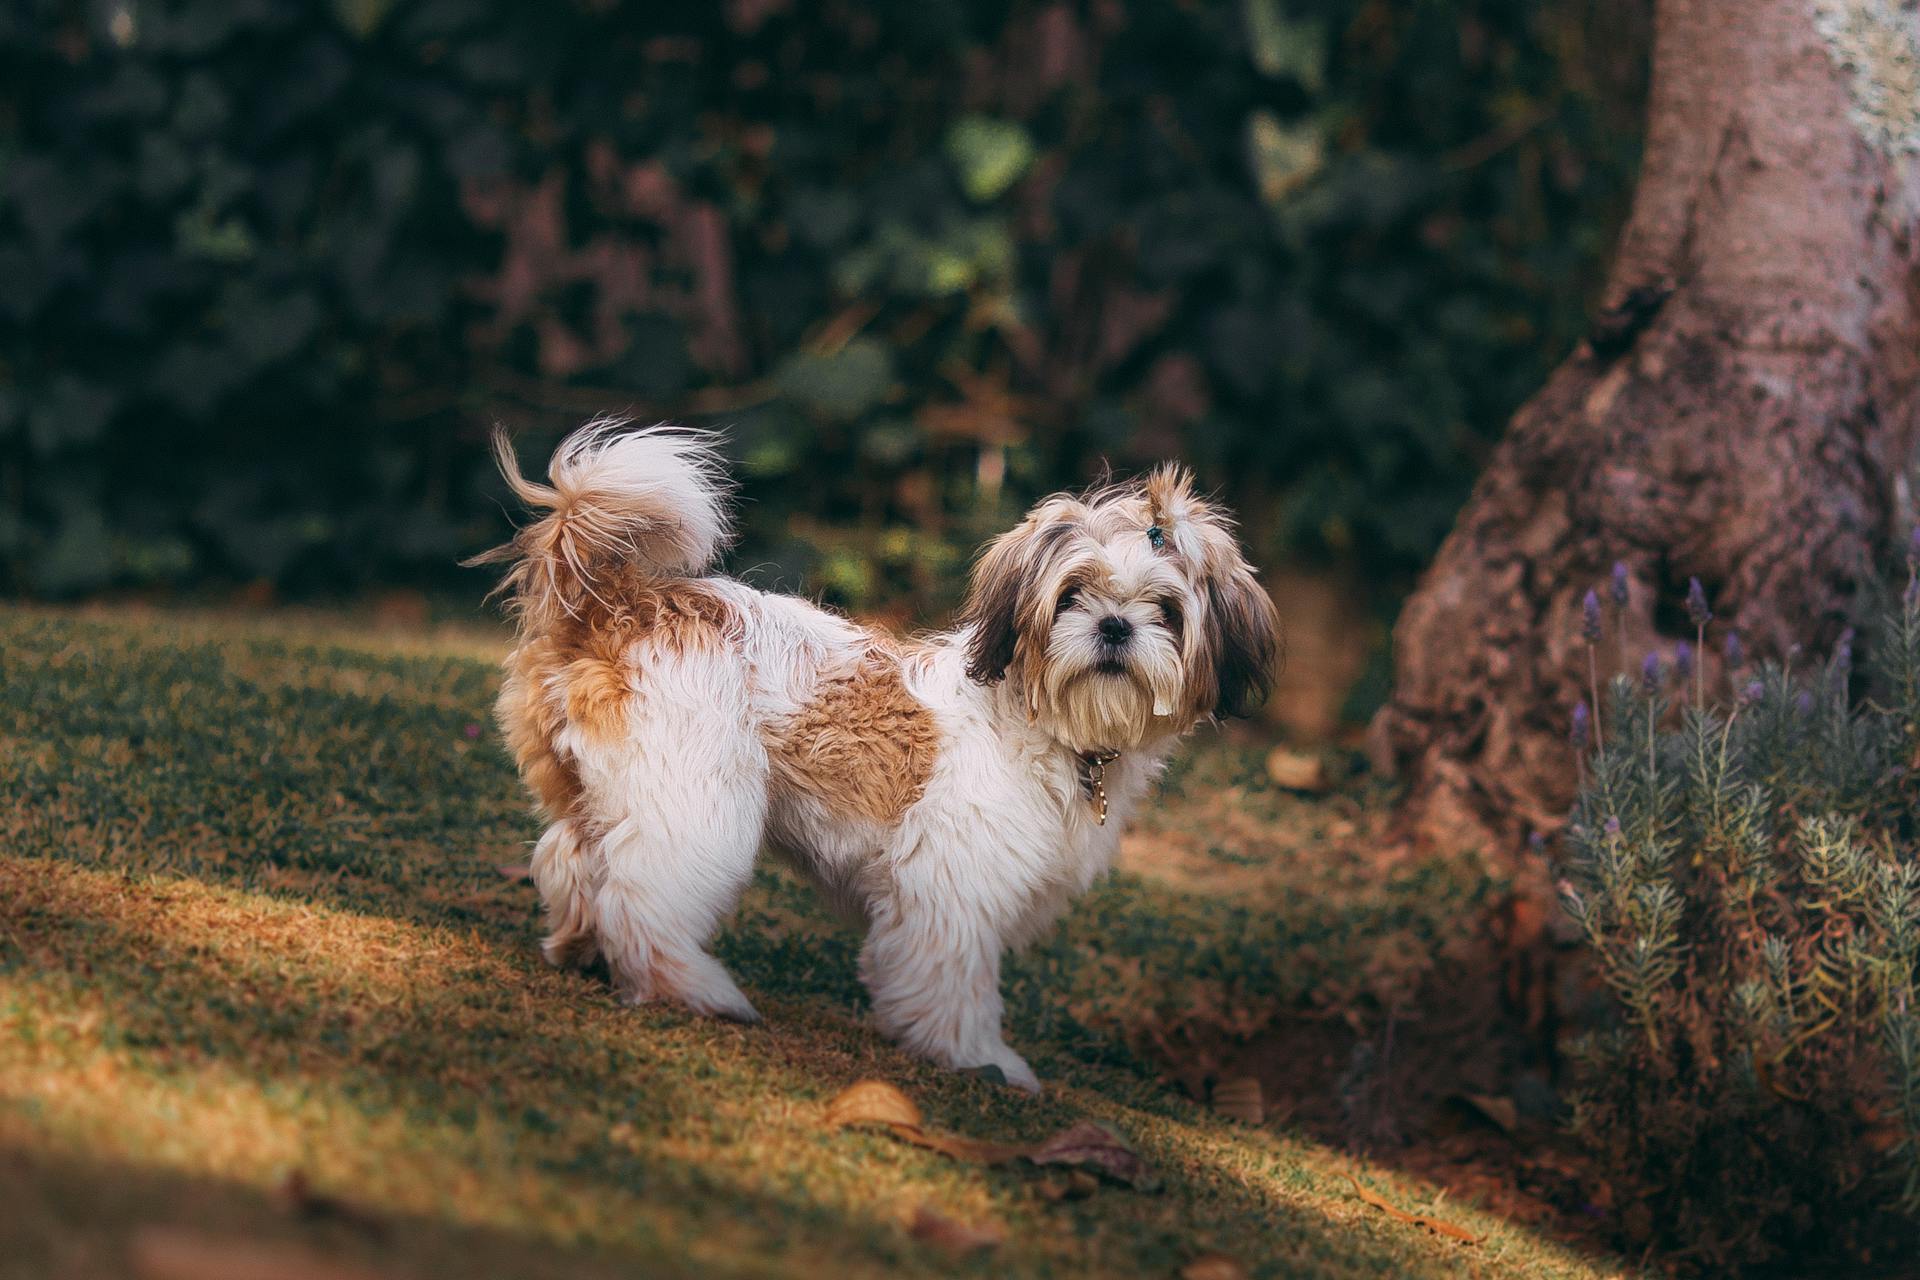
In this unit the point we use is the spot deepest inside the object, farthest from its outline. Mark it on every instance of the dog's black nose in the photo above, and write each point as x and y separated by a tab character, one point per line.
1115	629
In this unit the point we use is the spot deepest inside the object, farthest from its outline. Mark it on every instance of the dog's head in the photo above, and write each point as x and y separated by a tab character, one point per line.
1122	615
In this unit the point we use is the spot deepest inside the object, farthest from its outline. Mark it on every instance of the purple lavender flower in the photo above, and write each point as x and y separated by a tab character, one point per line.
1736	657
1755	691
1611	826
1804	703
1651	674
1698	611
1683	661
1582	726
1536	841
1913	543
1620	594
1590	618
1843	654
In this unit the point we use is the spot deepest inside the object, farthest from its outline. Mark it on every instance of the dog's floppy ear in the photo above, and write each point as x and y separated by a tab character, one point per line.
1242	643
1246	641
1001	602
992	609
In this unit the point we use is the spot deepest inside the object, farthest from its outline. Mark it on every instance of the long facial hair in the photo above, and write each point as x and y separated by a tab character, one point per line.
1122	615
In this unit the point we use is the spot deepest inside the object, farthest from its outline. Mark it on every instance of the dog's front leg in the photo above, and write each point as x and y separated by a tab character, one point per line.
935	980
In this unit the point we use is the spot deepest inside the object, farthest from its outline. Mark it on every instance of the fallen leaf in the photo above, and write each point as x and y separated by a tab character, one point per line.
1214	1266
1439	1226
872	1102
1095	1146
875	1102
515	870
957	1238
168	1253
1088	1144
1296	771
1240	1099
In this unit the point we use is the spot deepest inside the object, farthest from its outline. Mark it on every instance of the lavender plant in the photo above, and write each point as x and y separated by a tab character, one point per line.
1743	871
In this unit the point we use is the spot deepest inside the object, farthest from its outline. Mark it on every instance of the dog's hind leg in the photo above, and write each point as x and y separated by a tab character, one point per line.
684	801
934	975
566	868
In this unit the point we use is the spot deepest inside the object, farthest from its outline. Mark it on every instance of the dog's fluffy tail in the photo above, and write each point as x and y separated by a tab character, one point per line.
653	497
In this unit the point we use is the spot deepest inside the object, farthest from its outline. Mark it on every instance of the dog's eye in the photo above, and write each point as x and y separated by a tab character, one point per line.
1170	613
1157	536
1065	602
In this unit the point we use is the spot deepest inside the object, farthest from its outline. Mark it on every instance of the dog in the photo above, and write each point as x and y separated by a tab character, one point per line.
952	792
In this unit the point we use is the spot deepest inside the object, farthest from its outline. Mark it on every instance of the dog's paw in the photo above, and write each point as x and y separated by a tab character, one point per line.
736	1009
705	987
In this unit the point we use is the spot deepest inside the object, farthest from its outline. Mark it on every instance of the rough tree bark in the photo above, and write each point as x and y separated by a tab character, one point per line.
1745	410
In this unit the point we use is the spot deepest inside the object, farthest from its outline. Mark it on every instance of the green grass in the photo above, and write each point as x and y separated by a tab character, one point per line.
250	923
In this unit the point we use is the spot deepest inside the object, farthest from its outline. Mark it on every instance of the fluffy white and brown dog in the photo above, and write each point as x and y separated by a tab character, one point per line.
952	792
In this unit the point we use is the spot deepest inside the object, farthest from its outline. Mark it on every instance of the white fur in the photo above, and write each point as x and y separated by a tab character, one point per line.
999	842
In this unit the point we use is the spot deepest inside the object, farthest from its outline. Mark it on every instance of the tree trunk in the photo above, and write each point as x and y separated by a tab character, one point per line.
1744	411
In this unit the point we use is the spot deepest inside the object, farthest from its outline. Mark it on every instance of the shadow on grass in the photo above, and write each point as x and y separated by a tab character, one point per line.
390	1060
521	1095
72	1217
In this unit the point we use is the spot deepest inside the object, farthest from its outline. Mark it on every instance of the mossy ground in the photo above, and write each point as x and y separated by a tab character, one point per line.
251	923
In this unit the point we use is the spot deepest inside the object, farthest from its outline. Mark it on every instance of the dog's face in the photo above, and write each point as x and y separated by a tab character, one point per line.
1122	615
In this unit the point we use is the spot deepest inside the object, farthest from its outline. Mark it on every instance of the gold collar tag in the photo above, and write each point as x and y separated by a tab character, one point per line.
1093	780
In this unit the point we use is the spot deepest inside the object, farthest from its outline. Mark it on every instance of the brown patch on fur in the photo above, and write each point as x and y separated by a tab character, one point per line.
864	746
531	720
678	614
597	687
580	672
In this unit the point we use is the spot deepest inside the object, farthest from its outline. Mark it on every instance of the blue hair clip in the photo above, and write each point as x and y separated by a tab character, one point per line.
1157	536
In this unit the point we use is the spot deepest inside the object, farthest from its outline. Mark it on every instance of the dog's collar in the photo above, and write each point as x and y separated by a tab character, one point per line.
1093	780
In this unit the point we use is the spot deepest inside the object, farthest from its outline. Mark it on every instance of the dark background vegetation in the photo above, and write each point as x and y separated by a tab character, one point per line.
272	268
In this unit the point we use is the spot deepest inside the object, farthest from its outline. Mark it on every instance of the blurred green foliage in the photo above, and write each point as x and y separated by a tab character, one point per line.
272	268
